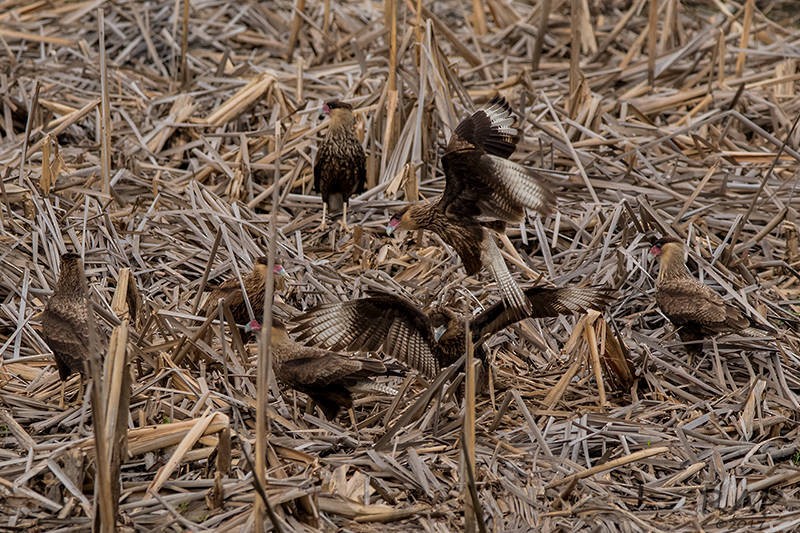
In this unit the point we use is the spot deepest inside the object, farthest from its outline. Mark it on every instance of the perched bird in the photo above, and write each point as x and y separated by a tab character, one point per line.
231	292
328	378
340	167
65	320
695	309
429	341
483	191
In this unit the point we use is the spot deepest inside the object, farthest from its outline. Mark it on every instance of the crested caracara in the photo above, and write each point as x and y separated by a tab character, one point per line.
328	378
483	191
65	320
430	341
695	309
340	167
231	291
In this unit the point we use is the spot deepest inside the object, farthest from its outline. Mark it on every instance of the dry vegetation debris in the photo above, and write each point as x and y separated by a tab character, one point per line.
678	120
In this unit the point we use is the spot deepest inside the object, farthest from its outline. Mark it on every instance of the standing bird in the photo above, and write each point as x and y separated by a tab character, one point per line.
340	167
231	291
483	191
328	378
695	309
429	341
65	320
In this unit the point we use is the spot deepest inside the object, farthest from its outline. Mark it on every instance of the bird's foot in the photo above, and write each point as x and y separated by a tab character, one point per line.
323	226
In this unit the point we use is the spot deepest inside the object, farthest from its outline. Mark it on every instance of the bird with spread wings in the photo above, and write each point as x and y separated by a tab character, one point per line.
429	341
483	192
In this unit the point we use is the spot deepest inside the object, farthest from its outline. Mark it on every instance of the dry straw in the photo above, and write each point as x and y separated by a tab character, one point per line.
166	161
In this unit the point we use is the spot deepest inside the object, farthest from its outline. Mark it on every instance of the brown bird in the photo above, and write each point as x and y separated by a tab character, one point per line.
328	378
432	341
483	191
340	167
231	292
65	320
695	309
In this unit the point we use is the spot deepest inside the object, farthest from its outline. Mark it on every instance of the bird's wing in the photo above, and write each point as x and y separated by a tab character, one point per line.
487	187
383	321
319	162
361	170
66	333
489	130
321	368
687	300
544	302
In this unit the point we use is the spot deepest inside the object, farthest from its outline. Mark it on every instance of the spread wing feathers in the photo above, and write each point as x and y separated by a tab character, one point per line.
489	129
544	302
511	292
491	187
367	324
687	301
515	188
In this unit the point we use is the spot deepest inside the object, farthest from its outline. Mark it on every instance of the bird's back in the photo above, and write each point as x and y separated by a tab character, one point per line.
65	329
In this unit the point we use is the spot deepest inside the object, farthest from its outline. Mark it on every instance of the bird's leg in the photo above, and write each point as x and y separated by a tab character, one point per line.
63	394
352	414
343	221
323	224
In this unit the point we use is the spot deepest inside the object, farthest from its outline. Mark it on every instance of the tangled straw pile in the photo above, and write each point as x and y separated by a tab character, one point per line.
677	118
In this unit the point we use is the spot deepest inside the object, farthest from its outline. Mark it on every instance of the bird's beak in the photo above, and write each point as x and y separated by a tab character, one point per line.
655	251
280	271
438	332
390	229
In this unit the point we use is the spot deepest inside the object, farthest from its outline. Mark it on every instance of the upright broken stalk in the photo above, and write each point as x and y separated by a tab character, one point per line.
264	348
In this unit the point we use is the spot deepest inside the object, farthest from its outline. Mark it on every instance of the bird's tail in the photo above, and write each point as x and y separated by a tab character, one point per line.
512	294
369	386
756	332
335	203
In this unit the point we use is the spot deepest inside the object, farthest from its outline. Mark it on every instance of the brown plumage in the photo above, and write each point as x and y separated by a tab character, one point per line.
231	291
483	191
695	309
340	167
429	342
65	320
328	378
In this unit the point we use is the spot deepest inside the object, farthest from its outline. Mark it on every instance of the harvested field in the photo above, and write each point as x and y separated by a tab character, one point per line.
150	138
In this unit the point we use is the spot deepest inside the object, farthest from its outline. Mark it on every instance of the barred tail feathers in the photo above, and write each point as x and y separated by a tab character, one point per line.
512	294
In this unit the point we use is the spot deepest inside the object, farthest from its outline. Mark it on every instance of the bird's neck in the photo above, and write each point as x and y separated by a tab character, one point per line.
70	282
280	337
423	213
341	124
672	265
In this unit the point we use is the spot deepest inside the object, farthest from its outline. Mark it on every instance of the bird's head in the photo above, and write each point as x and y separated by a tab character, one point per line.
657	248
338	111
71	263
281	276
402	220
